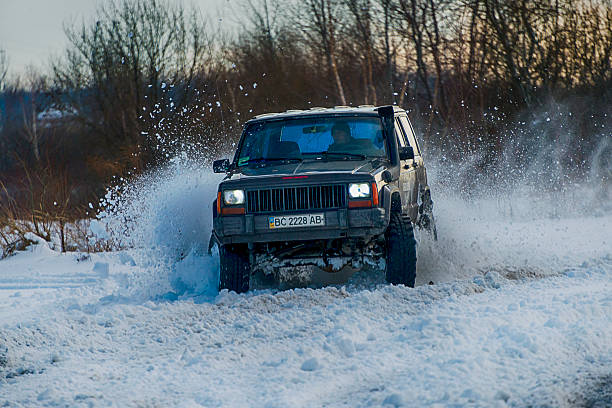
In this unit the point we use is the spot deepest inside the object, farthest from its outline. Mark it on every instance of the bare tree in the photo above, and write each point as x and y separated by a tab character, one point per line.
262	15
138	63
34	101
435	48
266	35
387	17
517	43
322	25
414	15
4	65
361	10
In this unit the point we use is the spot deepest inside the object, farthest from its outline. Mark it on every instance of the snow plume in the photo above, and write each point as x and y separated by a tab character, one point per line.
524	212
164	218
532	208
538	165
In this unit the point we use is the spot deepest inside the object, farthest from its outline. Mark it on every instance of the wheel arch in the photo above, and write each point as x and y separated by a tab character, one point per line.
391	199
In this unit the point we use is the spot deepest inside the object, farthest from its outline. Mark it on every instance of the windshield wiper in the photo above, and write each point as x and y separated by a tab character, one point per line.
264	160
344	155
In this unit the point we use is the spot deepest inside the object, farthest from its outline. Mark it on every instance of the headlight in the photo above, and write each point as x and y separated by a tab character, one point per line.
233	197
359	190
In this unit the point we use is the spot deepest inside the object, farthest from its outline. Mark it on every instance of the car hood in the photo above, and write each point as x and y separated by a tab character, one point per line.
310	167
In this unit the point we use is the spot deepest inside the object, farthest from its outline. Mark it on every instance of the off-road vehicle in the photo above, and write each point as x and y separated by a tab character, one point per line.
325	188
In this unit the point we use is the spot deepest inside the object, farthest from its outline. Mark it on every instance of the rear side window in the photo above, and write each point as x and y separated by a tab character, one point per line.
401	138
410	134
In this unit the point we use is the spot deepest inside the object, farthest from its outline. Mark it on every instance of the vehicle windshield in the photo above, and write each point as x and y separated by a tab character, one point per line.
336	138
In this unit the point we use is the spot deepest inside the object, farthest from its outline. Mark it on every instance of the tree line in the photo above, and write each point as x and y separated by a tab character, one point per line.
146	79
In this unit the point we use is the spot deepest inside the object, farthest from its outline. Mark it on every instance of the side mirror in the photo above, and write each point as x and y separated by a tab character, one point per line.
387	177
221	166
406	153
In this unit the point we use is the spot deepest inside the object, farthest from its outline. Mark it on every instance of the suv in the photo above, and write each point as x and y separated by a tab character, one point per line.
327	188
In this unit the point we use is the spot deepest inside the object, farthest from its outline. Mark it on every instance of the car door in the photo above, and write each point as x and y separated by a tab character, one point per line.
408	177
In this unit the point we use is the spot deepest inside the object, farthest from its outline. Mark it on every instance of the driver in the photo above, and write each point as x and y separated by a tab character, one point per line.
343	141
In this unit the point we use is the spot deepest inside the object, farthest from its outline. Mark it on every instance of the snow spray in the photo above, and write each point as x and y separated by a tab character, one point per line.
523	216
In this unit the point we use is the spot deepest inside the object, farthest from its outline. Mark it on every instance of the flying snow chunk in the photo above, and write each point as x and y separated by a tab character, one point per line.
163	85
45	395
101	268
254	85
218	104
502	395
394	400
347	347
126	259
311	364
98	229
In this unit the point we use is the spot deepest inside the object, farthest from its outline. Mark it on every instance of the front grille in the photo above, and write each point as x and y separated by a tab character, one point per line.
296	198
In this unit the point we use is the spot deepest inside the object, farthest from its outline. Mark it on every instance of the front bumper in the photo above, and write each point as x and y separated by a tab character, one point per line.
343	223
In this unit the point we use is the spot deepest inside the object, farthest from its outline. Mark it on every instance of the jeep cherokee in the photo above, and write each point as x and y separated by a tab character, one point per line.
324	188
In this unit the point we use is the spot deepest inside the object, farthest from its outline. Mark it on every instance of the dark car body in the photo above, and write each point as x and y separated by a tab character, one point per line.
321	186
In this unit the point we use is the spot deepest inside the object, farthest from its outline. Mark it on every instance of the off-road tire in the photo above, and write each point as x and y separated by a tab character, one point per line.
235	268
400	251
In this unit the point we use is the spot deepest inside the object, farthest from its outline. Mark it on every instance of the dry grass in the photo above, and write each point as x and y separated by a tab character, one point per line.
41	203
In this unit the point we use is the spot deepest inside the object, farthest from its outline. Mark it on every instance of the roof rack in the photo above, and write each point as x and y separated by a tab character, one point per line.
341	107
317	108
366	106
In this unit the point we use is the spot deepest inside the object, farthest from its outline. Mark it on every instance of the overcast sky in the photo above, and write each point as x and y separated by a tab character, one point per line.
32	30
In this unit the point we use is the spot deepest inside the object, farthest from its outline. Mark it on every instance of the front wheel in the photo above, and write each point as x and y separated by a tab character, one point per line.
235	268
401	252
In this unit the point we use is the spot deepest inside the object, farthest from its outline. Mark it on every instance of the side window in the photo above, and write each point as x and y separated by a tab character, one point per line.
401	138
410	134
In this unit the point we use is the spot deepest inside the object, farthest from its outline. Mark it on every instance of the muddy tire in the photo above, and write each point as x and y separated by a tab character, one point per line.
235	269
401	252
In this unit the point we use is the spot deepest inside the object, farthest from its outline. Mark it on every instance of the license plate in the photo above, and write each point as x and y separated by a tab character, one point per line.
296	221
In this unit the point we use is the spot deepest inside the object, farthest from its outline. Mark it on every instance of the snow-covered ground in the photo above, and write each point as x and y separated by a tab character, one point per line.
520	314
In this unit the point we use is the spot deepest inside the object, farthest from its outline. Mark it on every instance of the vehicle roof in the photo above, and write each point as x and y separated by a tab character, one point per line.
319	111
